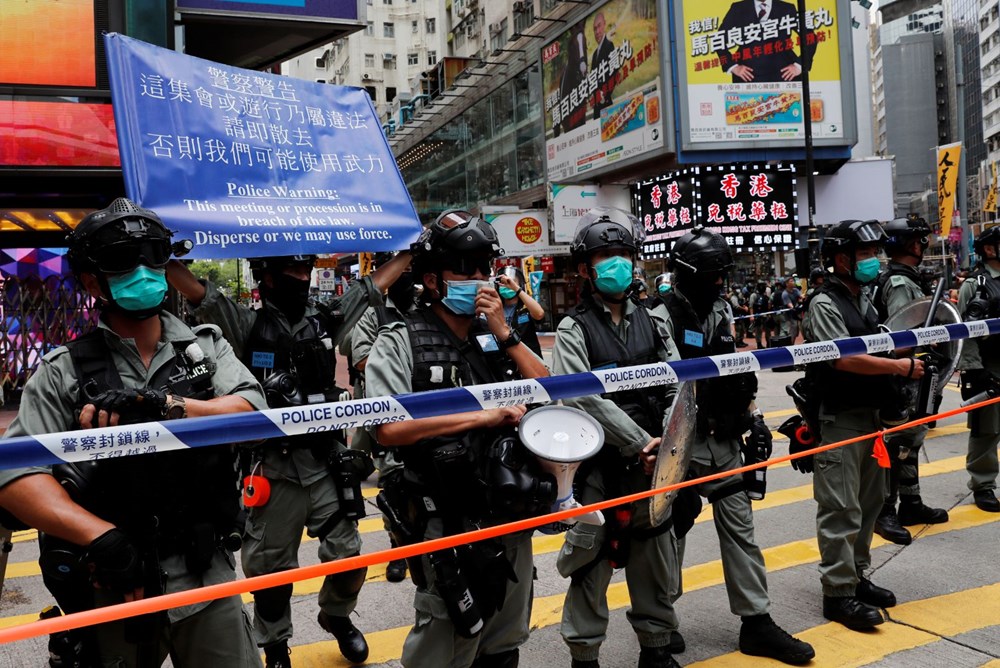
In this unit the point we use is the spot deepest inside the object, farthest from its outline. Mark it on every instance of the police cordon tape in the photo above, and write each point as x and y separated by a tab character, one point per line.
156	604
763	313
152	437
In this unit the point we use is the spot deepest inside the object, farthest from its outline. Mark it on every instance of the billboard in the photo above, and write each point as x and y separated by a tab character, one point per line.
570	203
667	208
299	9
54	133
47	43
523	233
603	90
740	73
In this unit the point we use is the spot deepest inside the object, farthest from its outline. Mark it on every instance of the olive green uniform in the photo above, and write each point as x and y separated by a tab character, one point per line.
900	292
742	561
848	484
433	642
303	494
215	633
653	570
984	423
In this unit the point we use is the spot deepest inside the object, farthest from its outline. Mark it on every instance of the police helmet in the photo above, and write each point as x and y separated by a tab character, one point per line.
119	238
816	274
457	241
606	228
848	235
989	237
662	279
262	265
901	231
700	252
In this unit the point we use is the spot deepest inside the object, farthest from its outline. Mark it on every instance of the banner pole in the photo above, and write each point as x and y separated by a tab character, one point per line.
813	239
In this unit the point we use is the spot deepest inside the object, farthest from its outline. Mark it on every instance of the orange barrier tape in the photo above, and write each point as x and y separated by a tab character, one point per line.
120	611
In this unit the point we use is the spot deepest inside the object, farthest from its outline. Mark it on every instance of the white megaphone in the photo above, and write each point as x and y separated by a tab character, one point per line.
562	438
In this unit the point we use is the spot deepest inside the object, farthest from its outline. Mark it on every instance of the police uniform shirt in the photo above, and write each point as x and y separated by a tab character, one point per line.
900	291
971	356
49	403
570	356
365	332
237	322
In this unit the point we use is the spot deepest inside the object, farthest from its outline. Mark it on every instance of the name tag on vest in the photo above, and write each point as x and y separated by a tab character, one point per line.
696	339
262	360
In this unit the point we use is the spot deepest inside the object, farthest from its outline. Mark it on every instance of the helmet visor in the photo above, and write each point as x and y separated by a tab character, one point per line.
468	264
122	256
869	232
614	215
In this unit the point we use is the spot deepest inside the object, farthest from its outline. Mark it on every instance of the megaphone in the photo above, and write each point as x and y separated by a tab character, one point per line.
562	438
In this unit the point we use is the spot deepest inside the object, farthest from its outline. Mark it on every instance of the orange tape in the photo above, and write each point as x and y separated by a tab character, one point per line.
120	611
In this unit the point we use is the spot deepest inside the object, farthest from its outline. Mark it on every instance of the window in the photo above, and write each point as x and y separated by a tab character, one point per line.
390	93
389	61
431	25
386	2
432	57
321	63
369	28
388	29
369	60
498	38
320	80
372	92
414	26
413	58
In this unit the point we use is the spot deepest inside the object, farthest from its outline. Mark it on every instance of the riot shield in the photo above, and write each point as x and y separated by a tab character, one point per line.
674	454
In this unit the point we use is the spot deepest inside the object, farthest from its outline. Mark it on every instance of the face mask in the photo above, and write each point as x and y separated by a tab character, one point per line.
865	271
664	288
141	289
460	296
702	295
290	295
507	293
614	275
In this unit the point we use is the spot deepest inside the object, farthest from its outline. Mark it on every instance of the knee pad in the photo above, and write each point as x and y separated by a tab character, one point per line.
348	583
508	659
272	603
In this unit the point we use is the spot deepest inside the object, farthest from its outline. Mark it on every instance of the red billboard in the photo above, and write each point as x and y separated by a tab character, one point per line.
57	134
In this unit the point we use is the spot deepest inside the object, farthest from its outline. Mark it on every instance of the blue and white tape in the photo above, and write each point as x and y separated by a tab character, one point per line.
123	441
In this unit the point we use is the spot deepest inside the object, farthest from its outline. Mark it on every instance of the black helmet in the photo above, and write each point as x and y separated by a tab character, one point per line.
900	231
989	237
700	252
120	237
847	235
456	241
262	265
816	273
606	227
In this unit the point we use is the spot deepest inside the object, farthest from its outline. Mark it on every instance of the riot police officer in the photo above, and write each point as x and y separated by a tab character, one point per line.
897	286
137	524
473	602
612	328
288	344
521	309
699	320
849	484
979	298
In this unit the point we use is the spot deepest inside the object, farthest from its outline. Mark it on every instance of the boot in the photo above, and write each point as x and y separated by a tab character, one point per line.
395	570
656	657
851	612
913	511
760	636
351	641
986	500
580	663
276	655
887	525
677	644
879	597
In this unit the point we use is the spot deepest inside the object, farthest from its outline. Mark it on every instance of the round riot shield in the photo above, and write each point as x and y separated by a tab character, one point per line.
914	315
674	455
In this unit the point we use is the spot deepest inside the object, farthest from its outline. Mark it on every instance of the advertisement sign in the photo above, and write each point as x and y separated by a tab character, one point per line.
990	206
569	203
740	71
327	280
603	90
754	208
667	209
948	158
250	164
36	133
302	9
524	233
47	43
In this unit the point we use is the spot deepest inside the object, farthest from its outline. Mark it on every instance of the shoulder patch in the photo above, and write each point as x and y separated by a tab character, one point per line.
897	281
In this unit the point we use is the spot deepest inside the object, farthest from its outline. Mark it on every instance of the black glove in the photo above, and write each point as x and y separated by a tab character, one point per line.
132	405
977	381
794	428
114	562
760	441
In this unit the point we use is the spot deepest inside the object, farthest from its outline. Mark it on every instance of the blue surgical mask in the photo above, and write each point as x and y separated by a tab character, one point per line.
614	275
865	271
141	289
460	296
664	288
507	293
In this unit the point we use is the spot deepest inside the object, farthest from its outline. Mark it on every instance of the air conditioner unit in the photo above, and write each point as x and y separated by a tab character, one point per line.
366	76
388	56
519	6
494	28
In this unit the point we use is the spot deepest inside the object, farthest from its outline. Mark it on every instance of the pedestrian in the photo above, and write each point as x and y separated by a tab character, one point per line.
898	286
146	524
978	299
849	483
288	345
697	321
760	305
472	604
608	329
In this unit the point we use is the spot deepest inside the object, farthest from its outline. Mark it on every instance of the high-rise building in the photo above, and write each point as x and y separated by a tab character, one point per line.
989	88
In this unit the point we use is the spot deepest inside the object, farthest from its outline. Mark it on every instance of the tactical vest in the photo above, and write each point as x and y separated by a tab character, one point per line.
164	501
606	351
724	402
842	390
525	327
895	269
988	288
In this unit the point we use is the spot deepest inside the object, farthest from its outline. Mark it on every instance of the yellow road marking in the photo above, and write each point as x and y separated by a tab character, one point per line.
945	615
387	645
